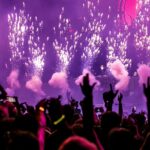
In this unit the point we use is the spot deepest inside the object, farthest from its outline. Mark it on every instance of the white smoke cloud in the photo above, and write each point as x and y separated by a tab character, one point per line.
143	73
120	73
13	82
12	79
35	85
59	80
92	78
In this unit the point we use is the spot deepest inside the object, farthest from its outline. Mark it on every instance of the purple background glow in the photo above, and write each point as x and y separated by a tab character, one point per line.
48	11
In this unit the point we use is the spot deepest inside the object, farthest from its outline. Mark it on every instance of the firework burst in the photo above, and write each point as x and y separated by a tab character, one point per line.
65	43
117	41
25	42
92	33
142	34
37	52
17	24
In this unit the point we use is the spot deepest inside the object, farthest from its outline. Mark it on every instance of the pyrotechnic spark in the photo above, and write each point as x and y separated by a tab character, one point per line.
117	41
25	29
66	42
36	48
92	29
17	22
142	35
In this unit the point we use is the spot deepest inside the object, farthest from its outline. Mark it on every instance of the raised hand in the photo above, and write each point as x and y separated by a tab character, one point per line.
120	108
109	98
86	88
87	109
3	93
120	97
110	95
87	102
146	89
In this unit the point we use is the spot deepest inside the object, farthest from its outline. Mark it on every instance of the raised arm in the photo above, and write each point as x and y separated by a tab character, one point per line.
3	93
87	108
109	97
120	109
146	90
87	103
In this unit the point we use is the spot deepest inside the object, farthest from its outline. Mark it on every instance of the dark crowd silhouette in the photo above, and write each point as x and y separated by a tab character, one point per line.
53	126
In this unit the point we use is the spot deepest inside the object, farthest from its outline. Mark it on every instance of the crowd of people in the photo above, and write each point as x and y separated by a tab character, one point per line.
53	126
